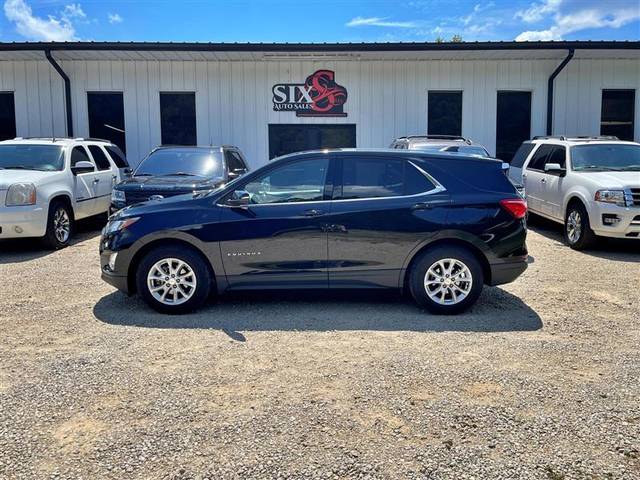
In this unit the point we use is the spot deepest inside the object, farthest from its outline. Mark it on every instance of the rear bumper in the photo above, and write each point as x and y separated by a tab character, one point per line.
507	272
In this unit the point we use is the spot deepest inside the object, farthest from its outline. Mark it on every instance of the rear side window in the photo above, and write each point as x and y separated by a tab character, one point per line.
378	178
79	154
100	158
521	154
539	157
372	178
117	156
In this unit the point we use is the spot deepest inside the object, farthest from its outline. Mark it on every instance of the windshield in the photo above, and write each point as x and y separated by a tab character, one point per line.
606	157
45	158
198	162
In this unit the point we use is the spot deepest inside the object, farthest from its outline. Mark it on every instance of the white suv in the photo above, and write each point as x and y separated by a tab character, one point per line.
590	184
48	183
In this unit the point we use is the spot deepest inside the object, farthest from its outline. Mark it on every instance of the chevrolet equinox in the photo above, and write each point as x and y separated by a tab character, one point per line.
440	226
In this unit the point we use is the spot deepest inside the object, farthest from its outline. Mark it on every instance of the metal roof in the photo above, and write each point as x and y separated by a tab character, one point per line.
313	51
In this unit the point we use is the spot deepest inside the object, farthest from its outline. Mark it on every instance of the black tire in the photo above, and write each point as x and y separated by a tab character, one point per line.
196	264
50	239
422	265
586	237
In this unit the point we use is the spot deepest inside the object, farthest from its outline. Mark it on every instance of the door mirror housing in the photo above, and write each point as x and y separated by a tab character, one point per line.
555	168
236	172
127	172
239	198
82	167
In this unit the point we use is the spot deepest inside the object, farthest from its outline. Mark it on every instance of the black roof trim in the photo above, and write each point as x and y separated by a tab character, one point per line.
318	47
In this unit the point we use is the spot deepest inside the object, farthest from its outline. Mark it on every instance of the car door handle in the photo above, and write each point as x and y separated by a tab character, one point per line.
422	206
96	180
313	213
543	180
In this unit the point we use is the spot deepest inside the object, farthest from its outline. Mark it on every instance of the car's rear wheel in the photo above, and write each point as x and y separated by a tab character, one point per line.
59	226
446	280
577	229
173	279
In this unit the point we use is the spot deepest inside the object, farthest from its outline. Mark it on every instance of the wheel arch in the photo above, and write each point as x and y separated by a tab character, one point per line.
468	244
65	198
573	198
165	242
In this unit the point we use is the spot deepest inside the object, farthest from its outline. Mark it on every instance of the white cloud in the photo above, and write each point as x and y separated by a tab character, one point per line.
538	11
586	16
50	29
378	22
114	18
73	10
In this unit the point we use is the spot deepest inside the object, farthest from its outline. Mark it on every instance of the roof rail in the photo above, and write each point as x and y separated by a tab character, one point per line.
549	137
91	139
439	137
594	137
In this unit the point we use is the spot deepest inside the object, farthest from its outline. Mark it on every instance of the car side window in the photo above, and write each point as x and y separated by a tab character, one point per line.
521	154
539	158
558	155
117	156
79	154
234	162
415	181
302	181
372	178
100	158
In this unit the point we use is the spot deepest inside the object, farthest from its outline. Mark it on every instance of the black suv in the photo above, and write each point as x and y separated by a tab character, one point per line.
440	226
170	171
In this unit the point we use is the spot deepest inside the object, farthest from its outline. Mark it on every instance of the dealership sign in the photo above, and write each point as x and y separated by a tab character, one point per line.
318	96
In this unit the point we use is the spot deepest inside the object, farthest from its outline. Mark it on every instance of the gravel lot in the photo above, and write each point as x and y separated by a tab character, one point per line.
539	380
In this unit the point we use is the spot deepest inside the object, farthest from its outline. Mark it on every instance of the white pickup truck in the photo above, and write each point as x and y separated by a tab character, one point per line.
589	184
46	184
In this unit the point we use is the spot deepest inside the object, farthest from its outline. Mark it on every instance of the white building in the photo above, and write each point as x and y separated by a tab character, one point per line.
256	96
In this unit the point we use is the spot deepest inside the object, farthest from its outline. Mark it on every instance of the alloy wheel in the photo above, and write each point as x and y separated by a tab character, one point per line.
61	225
171	281
574	226
448	281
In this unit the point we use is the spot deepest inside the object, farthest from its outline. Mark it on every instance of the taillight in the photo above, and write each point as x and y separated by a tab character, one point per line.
515	206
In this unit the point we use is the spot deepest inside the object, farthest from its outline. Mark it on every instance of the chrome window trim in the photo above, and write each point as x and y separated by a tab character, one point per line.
438	188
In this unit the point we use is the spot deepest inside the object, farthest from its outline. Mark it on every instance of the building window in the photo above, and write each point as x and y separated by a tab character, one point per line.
513	123
106	117
444	113
618	110
7	116
178	118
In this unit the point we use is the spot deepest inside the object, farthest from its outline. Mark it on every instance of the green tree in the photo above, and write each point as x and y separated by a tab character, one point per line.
456	39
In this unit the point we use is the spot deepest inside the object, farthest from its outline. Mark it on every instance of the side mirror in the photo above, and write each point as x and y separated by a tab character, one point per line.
236	172
239	198
555	168
82	167
127	172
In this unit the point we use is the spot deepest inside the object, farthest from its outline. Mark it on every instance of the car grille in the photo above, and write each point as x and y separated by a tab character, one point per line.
633	197
143	196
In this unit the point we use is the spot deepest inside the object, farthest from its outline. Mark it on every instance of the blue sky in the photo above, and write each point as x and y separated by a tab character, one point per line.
319	20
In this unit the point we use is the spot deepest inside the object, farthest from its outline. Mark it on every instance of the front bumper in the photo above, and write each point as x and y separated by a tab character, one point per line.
23	222
114	266
507	271
626	225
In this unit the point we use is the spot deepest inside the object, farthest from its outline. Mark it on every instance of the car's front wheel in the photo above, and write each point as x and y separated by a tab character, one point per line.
173	279
577	229
446	280
59	226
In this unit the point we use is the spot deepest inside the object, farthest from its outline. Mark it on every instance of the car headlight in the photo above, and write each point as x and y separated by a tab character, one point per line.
20	194
119	225
611	196
117	196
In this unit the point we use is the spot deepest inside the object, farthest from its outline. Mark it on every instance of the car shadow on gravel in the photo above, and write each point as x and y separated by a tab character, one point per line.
26	249
496	311
608	248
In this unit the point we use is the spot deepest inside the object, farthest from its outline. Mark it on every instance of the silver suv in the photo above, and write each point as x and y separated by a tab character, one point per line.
440	143
589	184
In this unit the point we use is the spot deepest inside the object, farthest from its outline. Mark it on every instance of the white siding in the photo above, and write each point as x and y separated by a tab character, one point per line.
387	98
